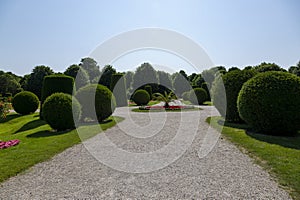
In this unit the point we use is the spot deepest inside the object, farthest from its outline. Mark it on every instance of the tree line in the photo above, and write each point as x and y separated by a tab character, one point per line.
144	75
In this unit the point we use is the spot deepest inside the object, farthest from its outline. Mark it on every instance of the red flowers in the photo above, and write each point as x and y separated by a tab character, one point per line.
7	144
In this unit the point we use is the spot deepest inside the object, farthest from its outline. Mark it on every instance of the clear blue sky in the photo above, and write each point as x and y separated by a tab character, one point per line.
59	33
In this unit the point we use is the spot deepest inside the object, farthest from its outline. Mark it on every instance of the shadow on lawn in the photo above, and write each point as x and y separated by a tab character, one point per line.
10	117
292	142
46	134
31	125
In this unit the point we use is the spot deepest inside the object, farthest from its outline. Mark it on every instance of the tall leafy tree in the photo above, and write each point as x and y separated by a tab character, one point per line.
181	84
295	69
91	67
8	84
209	75
106	74
182	72
264	67
165	79
81	79
144	75
35	81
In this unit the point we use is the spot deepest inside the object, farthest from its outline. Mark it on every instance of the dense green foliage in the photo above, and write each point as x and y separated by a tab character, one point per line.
141	97
145	74
186	95
36	78
181	84
197	96
97	101
205	86
9	84
106	76
265	67
226	103
60	111
25	102
148	88
91	67
117	86
164	79
270	103
80	76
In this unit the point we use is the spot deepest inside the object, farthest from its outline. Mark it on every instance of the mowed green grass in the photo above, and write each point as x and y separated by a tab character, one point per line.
37	141
278	155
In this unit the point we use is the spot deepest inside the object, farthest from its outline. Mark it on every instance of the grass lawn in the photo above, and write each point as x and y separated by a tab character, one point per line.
37	141
151	103
280	156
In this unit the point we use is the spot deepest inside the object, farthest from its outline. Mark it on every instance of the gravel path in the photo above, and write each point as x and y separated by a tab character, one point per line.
182	170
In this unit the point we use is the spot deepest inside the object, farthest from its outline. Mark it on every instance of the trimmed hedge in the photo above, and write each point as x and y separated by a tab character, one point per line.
59	113
25	102
270	103
141	97
198	96
186	95
148	88
117	86
97	101
54	84
205	86
227	103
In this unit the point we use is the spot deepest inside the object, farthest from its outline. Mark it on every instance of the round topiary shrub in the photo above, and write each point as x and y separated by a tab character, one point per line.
198	96
25	103
186	95
97	101
270	103
141	97
226	90
59	113
54	84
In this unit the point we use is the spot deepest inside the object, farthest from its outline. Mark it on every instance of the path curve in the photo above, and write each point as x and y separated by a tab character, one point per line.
225	173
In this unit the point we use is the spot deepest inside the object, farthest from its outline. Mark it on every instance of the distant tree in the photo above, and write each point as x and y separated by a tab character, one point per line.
106	74
209	75
182	72
181	85
248	68
164	79
35	80
144	75
82	79
191	77
295	69
8	84
91	67
129	79
233	68
24	81
264	67
198	80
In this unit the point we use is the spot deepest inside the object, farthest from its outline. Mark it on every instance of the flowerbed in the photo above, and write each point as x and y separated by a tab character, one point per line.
177	107
7	144
5	106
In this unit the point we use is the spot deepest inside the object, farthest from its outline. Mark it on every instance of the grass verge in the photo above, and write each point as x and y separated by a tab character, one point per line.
37	141
280	156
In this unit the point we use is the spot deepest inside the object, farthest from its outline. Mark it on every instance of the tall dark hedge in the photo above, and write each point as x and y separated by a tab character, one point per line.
54	84
117	86
226	101
97	101
148	88
270	103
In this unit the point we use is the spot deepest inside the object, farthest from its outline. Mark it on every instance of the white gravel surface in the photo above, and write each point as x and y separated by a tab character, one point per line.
225	173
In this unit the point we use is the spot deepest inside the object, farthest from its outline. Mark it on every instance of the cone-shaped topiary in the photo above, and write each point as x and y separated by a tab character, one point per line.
270	103
141	97
97	101
59	113
25	102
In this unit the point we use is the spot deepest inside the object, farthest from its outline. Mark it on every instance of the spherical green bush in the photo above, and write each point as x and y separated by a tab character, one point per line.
59	113
141	97
270	103
97	101
186	96
198	96
226	90
25	103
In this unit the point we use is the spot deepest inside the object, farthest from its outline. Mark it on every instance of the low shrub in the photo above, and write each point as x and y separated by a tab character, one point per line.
270	103
25	102
61	111
186	96
198	96
141	97
97	101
